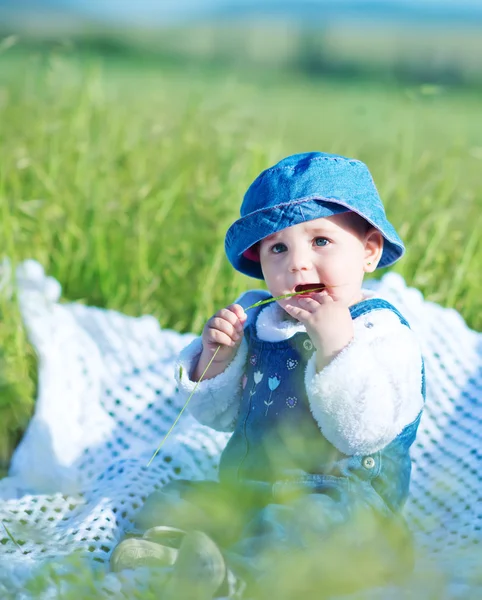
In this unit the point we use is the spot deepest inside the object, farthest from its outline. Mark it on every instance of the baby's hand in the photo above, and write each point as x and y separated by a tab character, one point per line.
224	329
328	323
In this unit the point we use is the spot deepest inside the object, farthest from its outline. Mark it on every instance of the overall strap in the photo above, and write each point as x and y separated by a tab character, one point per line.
366	306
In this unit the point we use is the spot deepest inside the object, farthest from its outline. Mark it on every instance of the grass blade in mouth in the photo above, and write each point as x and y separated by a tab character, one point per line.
268	300
309	287
260	303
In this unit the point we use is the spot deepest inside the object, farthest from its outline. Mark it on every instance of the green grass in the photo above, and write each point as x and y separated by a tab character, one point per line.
122	180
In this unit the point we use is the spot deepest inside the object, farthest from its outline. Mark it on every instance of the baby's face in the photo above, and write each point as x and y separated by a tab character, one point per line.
332	253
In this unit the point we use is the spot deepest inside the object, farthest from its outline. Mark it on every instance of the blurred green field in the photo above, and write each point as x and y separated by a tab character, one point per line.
122	177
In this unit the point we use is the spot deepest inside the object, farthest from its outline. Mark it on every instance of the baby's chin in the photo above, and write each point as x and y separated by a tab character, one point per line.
284	314
288	317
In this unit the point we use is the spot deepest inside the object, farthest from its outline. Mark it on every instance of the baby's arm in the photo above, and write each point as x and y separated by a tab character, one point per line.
372	389
216	400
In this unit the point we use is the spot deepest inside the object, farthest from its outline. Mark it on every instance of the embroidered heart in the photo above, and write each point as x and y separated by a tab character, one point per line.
291	401
291	363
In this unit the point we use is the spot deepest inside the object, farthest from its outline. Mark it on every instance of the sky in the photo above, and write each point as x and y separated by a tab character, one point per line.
159	11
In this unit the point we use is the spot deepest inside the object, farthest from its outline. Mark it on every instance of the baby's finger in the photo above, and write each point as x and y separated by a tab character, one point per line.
320	299
296	312
235	315
312	302
228	315
223	325
226	320
217	336
309	305
241	316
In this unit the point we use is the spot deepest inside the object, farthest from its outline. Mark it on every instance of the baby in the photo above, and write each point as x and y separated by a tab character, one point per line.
323	391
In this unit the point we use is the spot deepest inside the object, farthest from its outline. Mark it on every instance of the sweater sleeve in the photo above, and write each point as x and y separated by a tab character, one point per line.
365	397
216	401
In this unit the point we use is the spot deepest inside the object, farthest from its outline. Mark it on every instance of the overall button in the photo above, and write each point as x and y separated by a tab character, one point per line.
368	462
308	345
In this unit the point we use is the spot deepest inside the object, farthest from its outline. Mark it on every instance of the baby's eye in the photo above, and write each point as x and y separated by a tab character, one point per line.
321	241
278	248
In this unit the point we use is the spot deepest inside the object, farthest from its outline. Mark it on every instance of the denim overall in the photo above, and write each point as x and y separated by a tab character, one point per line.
277	439
289	491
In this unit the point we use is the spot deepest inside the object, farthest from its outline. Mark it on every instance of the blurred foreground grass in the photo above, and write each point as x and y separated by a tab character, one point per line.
121	180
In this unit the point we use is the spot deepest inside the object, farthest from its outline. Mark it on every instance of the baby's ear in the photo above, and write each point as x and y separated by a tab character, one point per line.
373	249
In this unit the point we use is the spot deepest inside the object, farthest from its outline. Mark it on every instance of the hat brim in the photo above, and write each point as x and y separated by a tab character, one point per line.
252	228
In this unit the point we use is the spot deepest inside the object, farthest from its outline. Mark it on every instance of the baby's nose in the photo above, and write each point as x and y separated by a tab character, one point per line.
300	261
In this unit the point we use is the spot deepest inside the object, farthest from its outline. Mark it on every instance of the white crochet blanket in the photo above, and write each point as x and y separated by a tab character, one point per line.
107	396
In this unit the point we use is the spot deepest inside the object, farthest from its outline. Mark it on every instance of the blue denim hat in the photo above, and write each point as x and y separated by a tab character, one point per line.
300	188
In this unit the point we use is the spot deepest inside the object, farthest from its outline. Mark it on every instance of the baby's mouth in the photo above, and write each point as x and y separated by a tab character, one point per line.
309	288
